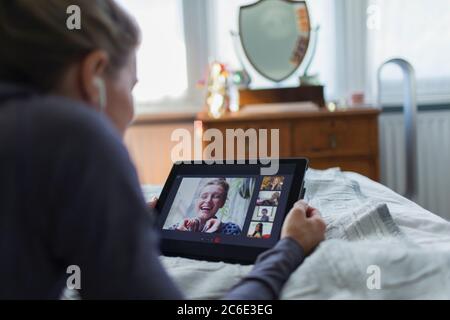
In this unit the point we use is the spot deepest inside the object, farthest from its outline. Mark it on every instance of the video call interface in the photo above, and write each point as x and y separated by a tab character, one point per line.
228	209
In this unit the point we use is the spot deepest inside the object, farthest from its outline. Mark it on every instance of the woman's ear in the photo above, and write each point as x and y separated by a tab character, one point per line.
92	73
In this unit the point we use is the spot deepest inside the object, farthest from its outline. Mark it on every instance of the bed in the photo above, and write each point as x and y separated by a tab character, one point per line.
378	245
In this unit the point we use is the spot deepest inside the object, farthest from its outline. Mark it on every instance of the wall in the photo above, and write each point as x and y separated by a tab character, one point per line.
433	158
150	146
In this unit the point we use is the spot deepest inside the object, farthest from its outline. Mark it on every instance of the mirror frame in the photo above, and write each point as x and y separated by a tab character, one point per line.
245	49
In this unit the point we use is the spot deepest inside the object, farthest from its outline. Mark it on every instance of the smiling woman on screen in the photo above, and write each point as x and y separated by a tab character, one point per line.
211	198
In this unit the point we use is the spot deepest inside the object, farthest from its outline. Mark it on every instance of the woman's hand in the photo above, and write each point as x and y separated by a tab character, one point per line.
192	225
212	225
186	225
182	227
304	225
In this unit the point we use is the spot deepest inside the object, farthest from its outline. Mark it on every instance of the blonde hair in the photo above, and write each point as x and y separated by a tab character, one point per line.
37	46
222	182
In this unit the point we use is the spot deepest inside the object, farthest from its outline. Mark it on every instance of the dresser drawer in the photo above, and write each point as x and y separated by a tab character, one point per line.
333	137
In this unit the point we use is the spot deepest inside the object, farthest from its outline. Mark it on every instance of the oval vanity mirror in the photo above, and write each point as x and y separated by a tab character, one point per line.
275	36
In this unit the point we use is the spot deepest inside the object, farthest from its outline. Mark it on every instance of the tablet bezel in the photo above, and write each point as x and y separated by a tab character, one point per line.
218	251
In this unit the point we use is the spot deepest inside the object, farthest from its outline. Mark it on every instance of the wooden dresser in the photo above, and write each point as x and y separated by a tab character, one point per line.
346	138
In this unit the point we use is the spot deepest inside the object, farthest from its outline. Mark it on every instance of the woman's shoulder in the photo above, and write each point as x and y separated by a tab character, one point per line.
68	115
37	112
59	128
65	121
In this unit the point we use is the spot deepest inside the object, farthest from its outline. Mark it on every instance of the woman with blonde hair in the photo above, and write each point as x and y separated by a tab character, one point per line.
211	198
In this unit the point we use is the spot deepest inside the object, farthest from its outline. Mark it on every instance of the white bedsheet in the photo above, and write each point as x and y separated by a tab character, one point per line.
422	226
410	245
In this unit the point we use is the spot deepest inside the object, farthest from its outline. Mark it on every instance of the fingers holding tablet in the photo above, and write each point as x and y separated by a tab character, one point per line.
304	224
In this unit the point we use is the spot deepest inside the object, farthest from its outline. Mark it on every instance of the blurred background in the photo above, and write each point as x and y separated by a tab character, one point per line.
182	38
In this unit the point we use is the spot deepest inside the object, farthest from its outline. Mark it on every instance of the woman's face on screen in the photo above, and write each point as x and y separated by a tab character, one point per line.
211	199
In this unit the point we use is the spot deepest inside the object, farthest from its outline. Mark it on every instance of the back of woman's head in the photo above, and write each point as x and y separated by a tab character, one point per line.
37	46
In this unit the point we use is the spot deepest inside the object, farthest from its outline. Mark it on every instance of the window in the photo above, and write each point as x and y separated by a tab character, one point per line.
347	57
162	65
419	32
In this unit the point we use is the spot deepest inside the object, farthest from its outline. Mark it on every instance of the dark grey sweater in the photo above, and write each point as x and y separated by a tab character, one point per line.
69	195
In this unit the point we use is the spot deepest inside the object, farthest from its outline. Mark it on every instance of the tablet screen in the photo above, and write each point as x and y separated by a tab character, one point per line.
232	208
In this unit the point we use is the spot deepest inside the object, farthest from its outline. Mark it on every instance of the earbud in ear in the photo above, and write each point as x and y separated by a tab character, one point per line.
100	84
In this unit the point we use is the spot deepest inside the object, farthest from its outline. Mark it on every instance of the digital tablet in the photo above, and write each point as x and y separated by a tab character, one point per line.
226	212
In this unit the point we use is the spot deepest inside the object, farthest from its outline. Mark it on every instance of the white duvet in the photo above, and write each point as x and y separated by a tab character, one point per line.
379	245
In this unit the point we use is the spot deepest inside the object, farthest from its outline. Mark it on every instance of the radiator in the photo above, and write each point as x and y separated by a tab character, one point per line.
433	158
